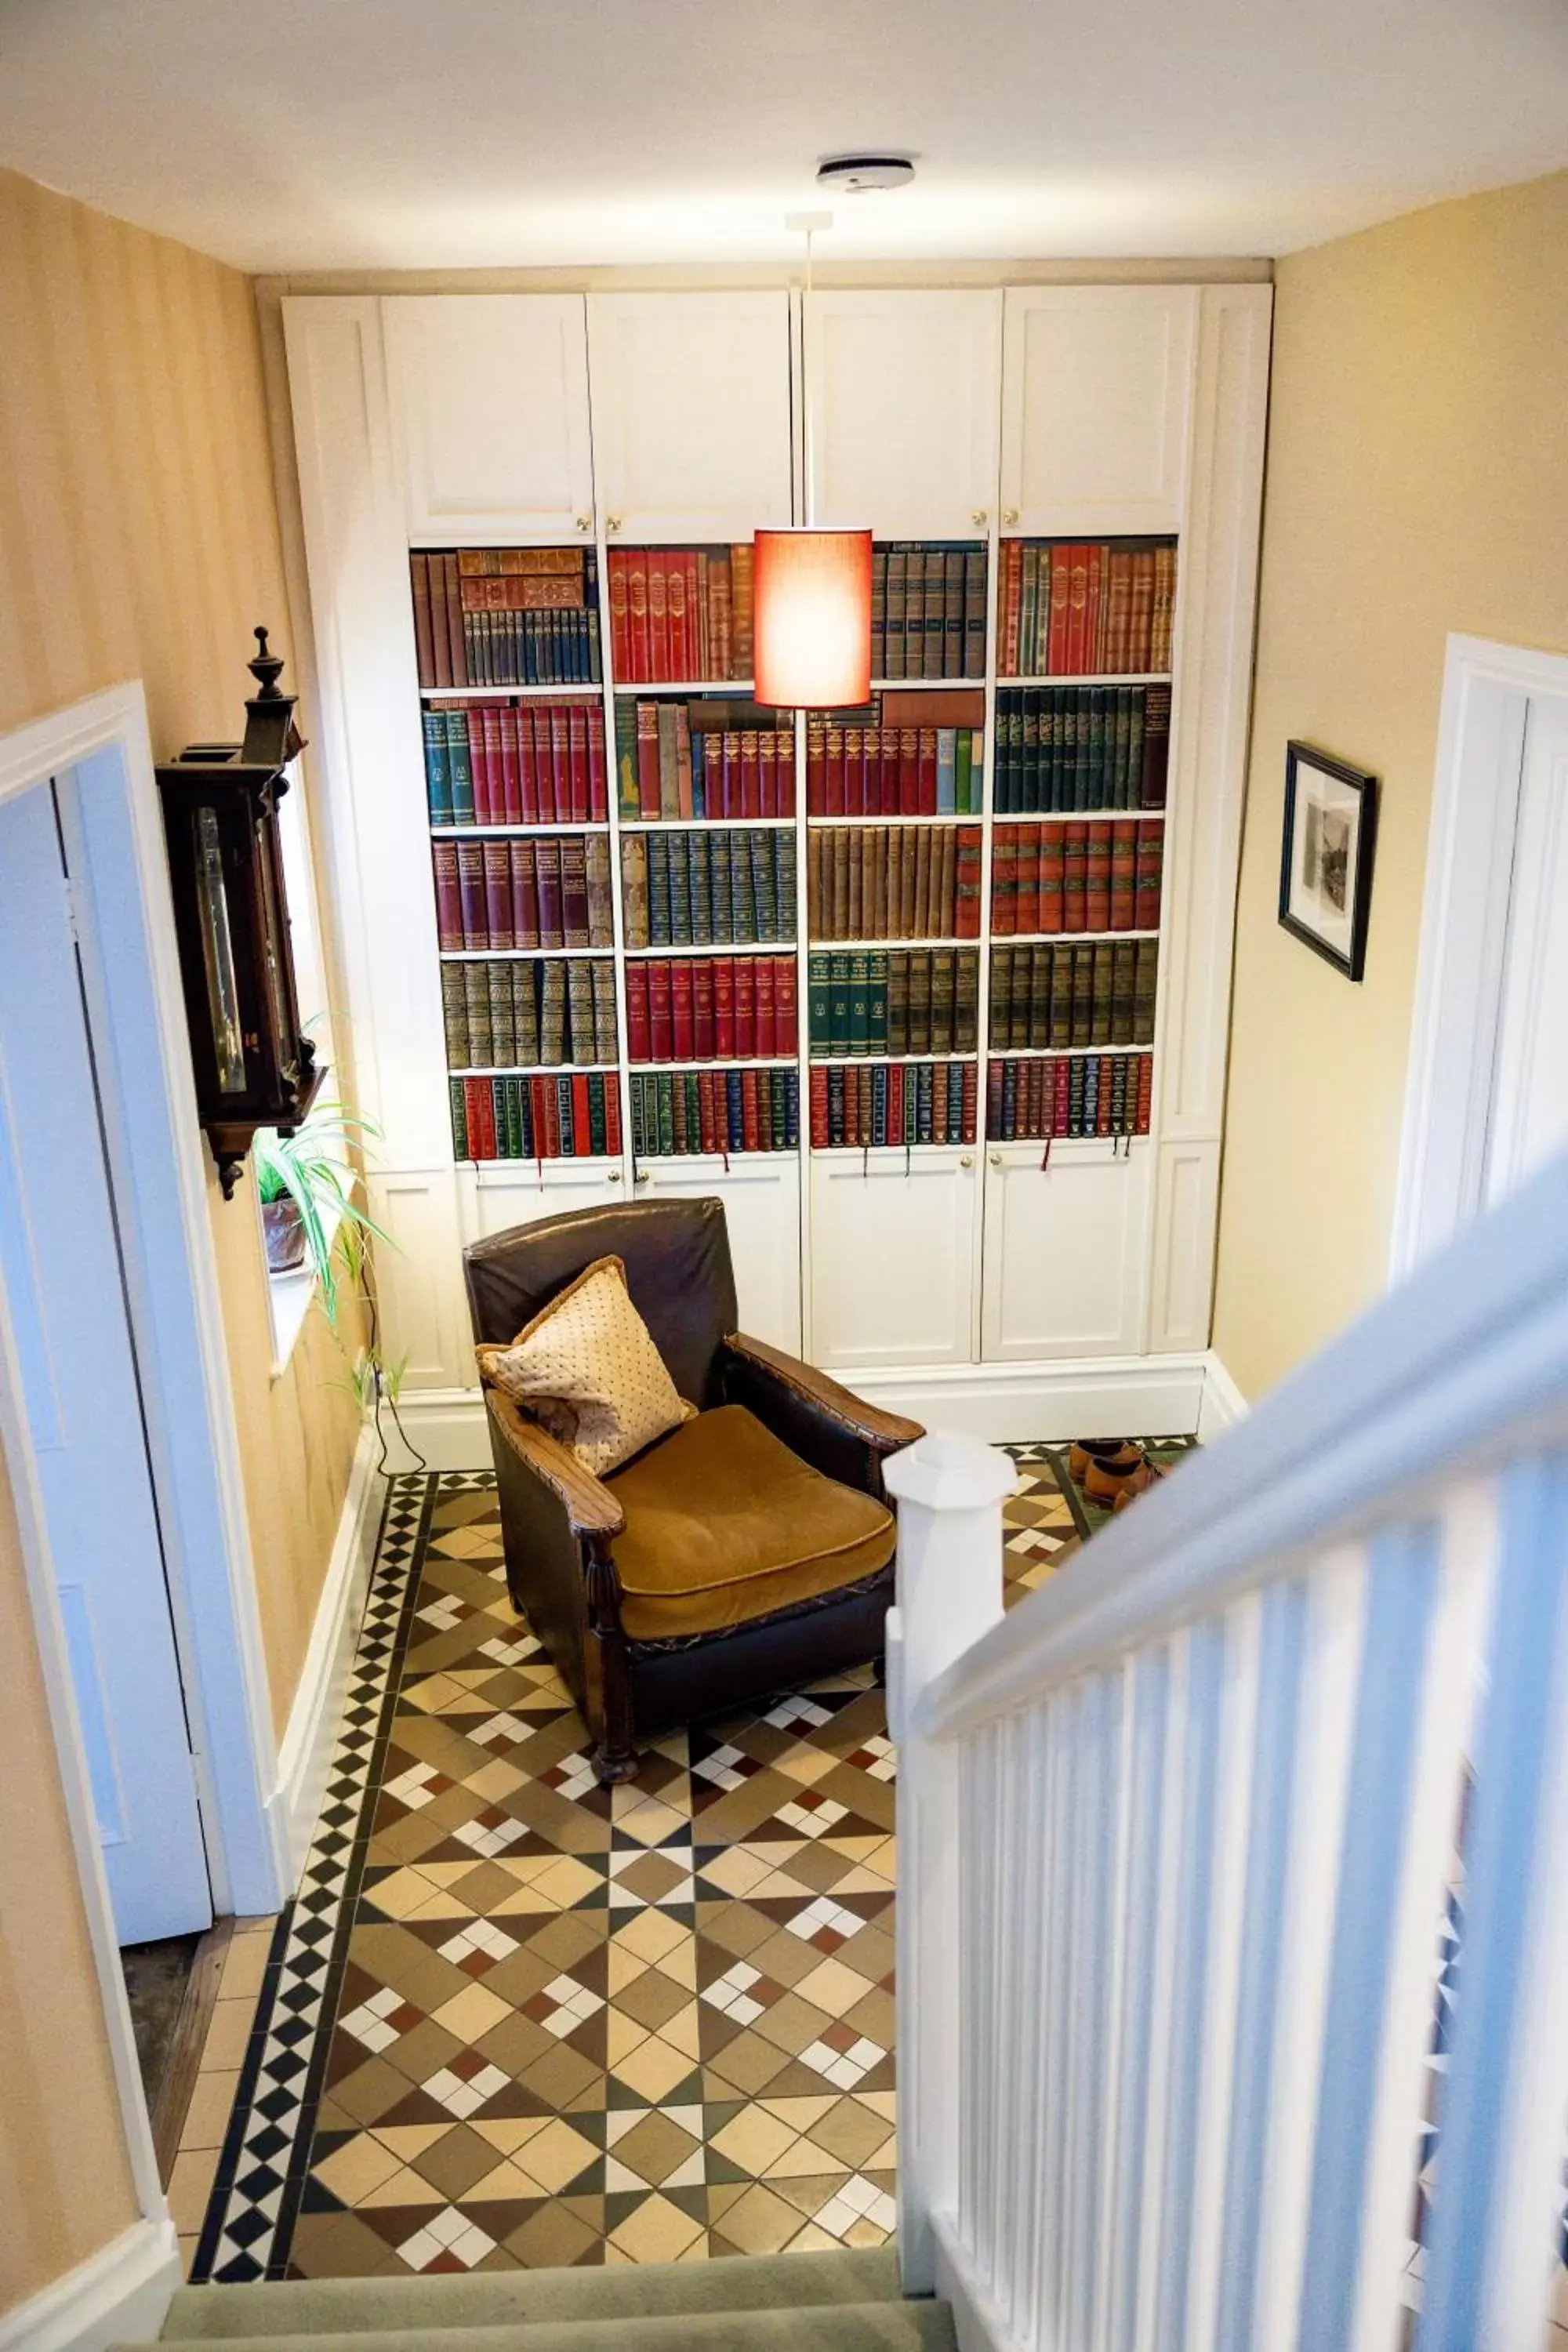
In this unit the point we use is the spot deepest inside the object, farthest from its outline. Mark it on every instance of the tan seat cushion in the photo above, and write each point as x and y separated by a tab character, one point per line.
724	1524
586	1368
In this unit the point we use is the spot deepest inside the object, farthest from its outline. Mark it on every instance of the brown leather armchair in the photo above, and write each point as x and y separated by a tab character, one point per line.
747	1551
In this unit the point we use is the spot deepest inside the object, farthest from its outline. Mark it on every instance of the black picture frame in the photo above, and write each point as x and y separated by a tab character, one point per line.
1326	856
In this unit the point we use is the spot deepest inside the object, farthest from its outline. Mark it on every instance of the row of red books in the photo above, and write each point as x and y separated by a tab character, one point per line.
679	614
892	771
685	771
712	1009
499	895
1104	876
528	764
1070	609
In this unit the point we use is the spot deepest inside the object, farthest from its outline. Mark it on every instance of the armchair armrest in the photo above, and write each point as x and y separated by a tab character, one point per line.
590	1509
828	1426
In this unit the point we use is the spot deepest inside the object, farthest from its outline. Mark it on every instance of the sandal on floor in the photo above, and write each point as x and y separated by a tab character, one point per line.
1108	1463
1139	1483
1084	1450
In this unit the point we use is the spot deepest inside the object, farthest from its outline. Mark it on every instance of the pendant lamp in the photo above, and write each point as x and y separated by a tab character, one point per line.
812	618
812	594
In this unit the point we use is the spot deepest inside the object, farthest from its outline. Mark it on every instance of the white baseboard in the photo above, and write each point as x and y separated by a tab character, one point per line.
306	1746
118	2296
1083	1396
1223	1405
977	2323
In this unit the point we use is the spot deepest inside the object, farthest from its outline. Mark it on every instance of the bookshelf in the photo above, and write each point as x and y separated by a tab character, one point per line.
1027	838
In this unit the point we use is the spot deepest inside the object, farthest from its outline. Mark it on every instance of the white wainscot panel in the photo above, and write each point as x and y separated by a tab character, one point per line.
762	1214
692	412
1187	1200
1066	1251
489	401
901	402
1096	395
419	1278
892	1256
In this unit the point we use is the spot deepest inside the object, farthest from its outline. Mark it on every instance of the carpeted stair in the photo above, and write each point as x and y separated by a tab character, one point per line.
840	2302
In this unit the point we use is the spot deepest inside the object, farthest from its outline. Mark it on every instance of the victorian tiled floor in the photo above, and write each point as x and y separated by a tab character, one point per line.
515	2020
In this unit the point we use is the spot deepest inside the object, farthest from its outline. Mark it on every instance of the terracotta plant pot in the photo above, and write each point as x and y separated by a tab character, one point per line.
285	1234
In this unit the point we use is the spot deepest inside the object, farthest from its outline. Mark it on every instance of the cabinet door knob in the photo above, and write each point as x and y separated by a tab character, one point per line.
979	518
642	1176
1011	516
966	1159
612	522
615	1175
995	1160
585	523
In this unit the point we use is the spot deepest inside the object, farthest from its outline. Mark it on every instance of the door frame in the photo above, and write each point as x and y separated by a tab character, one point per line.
99	752
1486	690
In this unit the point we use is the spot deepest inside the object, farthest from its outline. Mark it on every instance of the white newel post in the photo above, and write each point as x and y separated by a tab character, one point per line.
949	1492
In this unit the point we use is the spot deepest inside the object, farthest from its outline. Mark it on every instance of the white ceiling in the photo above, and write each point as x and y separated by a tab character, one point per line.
294	134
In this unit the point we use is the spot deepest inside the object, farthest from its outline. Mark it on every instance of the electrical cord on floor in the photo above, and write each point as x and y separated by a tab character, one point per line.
374	1351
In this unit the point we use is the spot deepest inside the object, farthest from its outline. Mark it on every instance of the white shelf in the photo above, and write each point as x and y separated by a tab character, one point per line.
706	824
718	948
947	816
526	825
1094	677
589	1159
1057	1053
593	688
875	1054
1070	816
830	947
536	1070
719	686
928	685
514	955
1062	938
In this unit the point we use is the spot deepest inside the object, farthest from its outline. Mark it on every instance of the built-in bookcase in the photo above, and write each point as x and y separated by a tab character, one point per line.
932	993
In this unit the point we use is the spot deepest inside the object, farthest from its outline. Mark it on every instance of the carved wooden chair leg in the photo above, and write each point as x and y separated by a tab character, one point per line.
615	1757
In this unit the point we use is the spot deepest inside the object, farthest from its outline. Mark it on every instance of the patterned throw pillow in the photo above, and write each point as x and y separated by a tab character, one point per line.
586	1368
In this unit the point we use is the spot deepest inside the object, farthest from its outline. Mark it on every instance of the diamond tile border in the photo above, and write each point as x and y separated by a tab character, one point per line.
260	2174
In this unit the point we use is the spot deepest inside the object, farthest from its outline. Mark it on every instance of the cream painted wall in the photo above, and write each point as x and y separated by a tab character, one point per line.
138	539
1417	483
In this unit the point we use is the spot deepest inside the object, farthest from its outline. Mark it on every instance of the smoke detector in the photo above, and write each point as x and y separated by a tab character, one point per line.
858	174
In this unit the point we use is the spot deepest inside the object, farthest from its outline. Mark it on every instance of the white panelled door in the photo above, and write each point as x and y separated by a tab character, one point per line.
691	413
893	1257
901	405
489	406
1529	1119
761	1217
59	1260
1065	1252
1096	394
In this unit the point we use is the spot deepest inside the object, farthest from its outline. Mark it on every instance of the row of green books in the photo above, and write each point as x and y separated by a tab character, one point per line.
722	889
897	1001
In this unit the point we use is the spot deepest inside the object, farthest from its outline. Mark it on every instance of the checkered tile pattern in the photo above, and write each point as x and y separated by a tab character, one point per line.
515	2020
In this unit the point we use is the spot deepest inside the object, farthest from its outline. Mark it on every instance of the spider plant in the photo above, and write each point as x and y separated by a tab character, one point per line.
312	1169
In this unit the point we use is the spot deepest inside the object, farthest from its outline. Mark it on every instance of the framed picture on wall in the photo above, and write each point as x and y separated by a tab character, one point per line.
1325	870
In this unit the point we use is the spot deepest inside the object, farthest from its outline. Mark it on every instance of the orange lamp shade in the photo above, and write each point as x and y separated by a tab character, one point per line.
812	618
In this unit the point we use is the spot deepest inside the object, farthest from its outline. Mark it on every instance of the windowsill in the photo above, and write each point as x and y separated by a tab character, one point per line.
289	1297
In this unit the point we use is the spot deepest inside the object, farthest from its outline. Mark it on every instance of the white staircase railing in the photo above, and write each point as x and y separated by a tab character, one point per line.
1190	1843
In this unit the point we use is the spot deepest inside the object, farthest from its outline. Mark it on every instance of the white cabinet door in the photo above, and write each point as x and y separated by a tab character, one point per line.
502	1194
490	404
1065	1252
419	1278
692	412
893	1257
762	1214
901	408
1097	386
